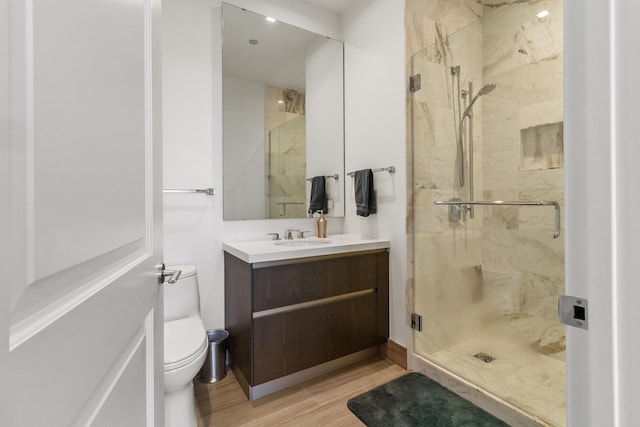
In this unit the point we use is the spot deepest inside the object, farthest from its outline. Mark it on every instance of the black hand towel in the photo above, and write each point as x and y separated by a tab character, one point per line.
318	200
365	193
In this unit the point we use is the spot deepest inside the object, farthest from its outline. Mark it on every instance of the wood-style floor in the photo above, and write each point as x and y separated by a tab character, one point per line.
318	402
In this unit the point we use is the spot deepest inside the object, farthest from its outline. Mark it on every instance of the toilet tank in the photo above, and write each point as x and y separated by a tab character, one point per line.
182	299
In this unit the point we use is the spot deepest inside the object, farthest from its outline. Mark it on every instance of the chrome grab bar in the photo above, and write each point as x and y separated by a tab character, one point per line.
556	205
207	191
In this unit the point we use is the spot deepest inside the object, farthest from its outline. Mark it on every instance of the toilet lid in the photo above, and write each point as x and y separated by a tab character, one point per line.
183	338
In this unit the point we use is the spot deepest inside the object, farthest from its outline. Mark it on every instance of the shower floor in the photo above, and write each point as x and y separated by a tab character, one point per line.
532	381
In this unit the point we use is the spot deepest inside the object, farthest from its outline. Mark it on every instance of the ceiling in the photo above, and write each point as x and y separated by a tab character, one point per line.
278	56
335	6
279	52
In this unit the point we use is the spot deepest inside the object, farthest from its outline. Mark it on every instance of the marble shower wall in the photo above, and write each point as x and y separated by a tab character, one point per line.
504	261
286	153
523	154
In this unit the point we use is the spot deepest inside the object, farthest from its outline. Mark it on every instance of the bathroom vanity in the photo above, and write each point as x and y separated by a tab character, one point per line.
298	309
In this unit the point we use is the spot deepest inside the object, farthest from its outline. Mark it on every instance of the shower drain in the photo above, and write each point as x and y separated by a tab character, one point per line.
484	357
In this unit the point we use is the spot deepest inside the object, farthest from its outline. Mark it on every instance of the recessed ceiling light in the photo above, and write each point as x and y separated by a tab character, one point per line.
543	14
270	19
280	101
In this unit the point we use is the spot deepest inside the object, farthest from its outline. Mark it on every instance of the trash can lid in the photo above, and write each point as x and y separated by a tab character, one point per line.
183	338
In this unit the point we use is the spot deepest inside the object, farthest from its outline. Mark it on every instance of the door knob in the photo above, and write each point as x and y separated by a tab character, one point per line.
168	276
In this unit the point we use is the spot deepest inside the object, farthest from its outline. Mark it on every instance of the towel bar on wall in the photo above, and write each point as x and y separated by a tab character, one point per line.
556	205
390	169
207	191
336	176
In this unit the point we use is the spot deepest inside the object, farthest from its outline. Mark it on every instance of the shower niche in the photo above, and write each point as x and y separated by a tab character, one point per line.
542	147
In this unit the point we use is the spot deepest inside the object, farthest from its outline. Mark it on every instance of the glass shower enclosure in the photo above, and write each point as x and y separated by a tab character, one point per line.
488	249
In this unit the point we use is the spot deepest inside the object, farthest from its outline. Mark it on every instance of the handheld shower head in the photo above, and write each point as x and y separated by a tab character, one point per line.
483	91
460	155
486	89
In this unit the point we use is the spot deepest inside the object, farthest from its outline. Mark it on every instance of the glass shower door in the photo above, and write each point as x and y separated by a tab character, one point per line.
486	287
287	169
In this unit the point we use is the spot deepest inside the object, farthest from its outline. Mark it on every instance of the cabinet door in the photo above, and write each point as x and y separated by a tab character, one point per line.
290	342
284	285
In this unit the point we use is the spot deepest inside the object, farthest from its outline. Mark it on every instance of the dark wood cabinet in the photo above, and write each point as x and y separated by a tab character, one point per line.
286	317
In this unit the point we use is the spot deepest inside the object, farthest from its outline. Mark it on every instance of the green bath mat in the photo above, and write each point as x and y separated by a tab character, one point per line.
415	400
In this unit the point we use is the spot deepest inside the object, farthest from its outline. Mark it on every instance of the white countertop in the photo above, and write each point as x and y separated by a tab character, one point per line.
274	250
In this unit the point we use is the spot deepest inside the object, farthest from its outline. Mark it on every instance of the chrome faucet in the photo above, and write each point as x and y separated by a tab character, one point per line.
301	233
288	234
276	236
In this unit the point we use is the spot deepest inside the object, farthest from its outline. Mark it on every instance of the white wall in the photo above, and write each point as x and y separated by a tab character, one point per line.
325	134
375	133
243	128
192	153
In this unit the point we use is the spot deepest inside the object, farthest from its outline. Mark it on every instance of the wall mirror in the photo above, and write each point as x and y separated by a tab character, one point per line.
283	117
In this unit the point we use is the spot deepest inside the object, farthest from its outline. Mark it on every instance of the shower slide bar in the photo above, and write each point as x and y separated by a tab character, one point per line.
336	176
207	191
556	205
390	169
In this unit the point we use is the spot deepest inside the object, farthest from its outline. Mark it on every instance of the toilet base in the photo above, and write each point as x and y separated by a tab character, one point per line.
179	408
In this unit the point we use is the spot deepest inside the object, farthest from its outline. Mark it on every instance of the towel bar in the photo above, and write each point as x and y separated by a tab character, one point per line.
556	205
390	169
207	191
336	176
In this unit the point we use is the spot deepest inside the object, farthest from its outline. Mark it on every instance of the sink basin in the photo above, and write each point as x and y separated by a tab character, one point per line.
301	242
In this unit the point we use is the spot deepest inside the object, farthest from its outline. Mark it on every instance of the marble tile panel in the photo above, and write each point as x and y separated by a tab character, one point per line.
501	134
465	50
445	125
501	172
286	166
435	82
294	102
547	111
514	36
420	31
524	250
453	250
443	169
274	115
451	15
499	166
422	124
530	83
498	108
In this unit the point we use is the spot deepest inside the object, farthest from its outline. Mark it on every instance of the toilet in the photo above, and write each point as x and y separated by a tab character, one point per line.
185	347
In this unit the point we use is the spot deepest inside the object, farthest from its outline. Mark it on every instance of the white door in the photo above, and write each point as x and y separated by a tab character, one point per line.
81	312
602	152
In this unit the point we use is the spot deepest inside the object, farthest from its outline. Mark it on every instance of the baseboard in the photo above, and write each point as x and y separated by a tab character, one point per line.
394	352
260	390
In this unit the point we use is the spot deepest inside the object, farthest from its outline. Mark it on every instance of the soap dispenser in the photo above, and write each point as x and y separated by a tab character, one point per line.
321	225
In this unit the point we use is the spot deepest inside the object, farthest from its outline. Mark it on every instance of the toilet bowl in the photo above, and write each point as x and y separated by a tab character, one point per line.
185	347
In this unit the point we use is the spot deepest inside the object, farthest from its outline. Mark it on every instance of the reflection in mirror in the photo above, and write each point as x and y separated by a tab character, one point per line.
282	117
